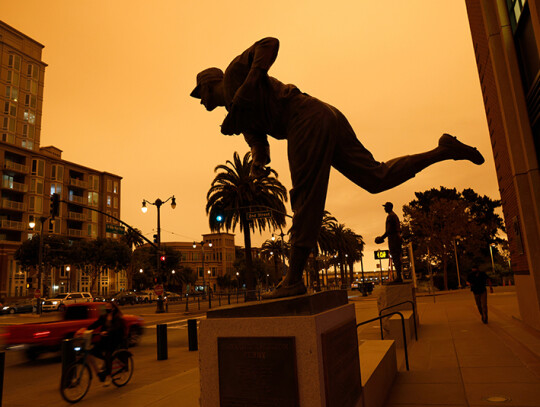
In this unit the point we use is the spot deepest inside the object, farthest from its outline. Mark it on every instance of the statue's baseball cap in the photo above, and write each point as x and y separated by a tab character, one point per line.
206	76
388	205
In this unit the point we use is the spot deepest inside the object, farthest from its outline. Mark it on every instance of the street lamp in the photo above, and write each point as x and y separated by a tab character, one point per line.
158	202
202	255
32	224
457	263
491	246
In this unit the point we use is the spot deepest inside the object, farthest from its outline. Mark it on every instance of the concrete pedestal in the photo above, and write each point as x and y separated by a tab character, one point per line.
394	294
301	351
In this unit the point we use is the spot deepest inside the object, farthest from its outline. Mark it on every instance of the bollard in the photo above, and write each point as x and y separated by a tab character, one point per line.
68	355
2	366
187	302
192	334
219	299
229	298
166	306
199	301
209	301
161	332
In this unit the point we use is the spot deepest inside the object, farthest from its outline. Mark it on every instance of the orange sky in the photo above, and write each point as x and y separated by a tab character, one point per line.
120	73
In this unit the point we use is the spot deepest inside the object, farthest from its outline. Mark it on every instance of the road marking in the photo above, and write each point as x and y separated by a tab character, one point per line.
178	324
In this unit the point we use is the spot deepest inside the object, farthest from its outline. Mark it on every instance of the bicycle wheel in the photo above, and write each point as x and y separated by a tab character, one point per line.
122	367
76	382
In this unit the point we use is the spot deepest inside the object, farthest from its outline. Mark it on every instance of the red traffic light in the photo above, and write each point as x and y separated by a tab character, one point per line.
162	258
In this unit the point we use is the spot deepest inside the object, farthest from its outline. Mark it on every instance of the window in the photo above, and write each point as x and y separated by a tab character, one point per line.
35	204
115	187
115	202
27	144
36	186
109	185
38	167
31	86
108	200
10	108
56	189
12	93
93	216
14	61
93	198
9	124
8	138
30	116
29	131
57	172
30	100
93	181
32	71
13	78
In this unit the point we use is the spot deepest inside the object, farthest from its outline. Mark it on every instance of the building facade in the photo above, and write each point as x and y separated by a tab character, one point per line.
506	40
31	174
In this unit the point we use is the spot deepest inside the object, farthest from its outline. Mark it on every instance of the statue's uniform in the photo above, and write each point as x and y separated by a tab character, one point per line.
319	137
393	232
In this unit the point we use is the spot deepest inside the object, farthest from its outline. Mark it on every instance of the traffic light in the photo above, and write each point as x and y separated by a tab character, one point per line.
55	205
155	239
219	214
162	257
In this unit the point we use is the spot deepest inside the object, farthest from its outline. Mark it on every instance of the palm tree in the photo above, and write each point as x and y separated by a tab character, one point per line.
325	242
234	193
354	245
276	248
133	238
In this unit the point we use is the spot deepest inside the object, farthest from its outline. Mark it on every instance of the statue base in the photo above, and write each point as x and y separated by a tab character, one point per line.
391	294
298	351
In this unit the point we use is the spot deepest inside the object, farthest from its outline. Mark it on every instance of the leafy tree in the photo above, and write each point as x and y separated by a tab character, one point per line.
437	219
133	238
145	258
234	193
95	256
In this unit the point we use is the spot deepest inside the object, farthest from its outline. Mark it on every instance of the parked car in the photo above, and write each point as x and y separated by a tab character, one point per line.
147	296
126	297
171	296
25	305
37	338
59	302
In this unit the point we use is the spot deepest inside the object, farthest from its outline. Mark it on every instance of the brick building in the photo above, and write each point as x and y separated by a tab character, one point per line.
506	40
31	174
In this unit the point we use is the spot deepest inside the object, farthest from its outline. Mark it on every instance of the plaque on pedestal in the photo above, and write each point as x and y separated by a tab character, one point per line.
300	351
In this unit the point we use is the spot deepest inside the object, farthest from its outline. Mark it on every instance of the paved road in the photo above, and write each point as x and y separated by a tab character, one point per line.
37	383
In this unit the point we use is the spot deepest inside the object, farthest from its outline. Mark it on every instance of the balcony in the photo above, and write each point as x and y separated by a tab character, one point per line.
77	216
10	165
12	225
75	232
14	186
77	199
78	183
16	206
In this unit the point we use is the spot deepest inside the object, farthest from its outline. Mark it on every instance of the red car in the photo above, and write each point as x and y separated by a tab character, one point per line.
37	338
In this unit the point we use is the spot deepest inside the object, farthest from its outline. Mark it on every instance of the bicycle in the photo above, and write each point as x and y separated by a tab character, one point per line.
77	377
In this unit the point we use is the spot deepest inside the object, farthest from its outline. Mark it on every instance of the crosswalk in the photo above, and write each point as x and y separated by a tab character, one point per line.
178	324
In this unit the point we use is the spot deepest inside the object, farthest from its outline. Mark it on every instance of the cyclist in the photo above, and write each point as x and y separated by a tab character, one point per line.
112	330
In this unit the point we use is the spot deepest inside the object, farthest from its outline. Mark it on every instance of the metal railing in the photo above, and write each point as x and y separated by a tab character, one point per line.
402	331
413	312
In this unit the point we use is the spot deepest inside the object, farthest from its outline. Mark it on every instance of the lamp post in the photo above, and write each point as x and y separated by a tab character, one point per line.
32	225
457	262
491	246
202	256
157	203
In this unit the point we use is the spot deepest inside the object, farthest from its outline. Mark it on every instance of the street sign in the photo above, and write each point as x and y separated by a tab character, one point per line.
158	289
37	293
382	254
259	215
110	228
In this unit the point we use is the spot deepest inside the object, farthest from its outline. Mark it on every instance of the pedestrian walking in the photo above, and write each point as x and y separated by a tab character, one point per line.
477	280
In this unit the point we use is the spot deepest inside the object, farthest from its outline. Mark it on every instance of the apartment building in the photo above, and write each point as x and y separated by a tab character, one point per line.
506	40
210	258
31	174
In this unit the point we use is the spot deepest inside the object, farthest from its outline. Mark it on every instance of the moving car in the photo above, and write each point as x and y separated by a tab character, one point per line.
25	305
126	297
37	338
59	302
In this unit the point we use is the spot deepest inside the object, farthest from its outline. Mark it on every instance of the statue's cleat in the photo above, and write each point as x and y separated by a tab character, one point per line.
282	291
459	150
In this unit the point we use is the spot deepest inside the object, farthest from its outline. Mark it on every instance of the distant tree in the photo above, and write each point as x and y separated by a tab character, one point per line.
436	219
234	193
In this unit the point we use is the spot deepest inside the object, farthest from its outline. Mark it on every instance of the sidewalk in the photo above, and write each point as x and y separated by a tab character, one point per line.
457	361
